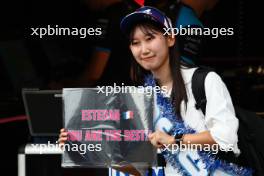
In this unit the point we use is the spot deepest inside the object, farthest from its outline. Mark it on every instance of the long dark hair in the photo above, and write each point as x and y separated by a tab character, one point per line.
178	93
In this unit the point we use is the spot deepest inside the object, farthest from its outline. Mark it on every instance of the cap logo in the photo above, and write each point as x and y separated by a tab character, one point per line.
148	11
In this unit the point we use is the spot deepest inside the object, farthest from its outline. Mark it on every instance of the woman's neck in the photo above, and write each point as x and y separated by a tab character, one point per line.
163	75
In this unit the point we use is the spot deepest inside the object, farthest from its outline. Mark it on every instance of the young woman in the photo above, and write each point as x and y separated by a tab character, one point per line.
177	121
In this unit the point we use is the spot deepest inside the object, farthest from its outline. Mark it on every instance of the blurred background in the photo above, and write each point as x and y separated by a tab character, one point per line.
54	62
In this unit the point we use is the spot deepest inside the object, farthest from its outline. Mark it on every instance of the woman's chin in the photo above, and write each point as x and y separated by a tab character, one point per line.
148	67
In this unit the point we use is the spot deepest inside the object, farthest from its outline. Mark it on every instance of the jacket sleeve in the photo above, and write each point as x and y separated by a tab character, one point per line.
220	116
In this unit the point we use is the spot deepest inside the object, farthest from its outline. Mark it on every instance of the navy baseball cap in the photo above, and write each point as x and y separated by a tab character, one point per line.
145	13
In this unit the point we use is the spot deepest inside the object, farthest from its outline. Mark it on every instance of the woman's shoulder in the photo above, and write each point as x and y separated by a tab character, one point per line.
187	74
211	77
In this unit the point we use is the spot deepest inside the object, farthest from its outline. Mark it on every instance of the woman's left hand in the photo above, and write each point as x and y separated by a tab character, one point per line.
159	138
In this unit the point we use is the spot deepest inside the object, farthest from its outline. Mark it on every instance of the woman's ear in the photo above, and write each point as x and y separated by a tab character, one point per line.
171	40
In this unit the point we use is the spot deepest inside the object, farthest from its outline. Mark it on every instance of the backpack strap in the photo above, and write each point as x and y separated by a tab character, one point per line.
198	88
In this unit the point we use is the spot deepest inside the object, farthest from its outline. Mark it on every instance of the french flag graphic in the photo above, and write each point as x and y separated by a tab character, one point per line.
128	115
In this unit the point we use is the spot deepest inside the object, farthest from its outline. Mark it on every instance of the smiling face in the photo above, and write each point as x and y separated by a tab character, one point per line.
150	48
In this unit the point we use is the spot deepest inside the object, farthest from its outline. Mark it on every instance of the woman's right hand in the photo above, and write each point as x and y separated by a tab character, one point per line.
63	137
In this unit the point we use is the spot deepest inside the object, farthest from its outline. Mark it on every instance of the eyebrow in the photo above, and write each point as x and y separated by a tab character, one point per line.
151	33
